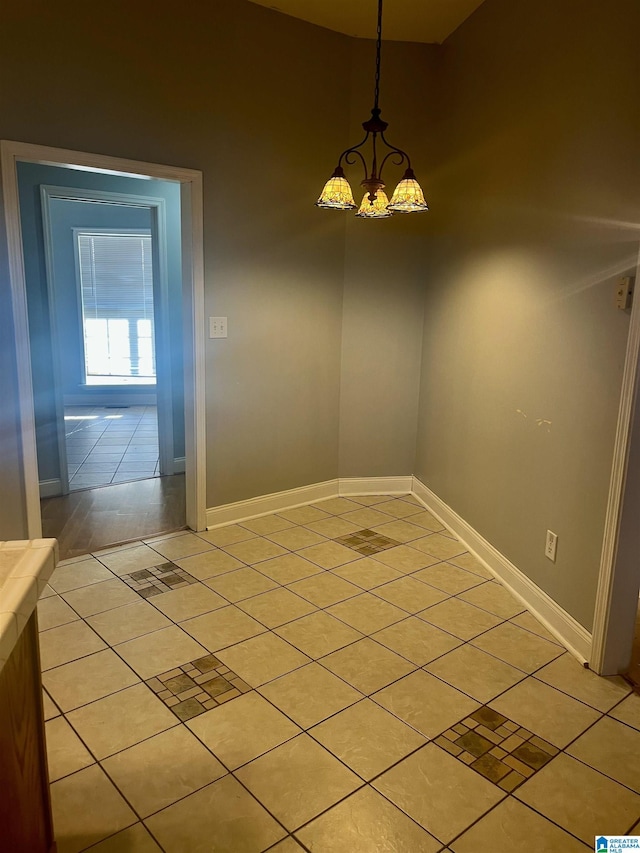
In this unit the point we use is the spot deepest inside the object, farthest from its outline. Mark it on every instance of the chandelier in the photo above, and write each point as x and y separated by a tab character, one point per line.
408	196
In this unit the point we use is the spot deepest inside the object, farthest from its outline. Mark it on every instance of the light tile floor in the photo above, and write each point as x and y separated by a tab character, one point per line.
110	444
265	687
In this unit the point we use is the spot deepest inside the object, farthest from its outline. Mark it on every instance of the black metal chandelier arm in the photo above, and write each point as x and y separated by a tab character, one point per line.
400	154
349	155
394	150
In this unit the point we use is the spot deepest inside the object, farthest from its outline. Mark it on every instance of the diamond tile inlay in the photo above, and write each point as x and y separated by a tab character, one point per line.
497	748
367	542
158	579
196	687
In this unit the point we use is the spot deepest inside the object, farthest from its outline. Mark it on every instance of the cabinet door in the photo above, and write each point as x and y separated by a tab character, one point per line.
25	811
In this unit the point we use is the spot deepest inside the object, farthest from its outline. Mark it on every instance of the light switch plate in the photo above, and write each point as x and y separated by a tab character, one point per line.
217	327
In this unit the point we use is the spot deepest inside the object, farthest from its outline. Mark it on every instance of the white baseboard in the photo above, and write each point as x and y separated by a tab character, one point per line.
561	624
50	488
375	485
233	513
558	622
179	465
218	516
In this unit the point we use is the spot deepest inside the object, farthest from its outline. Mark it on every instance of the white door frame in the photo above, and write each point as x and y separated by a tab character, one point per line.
193	310
617	594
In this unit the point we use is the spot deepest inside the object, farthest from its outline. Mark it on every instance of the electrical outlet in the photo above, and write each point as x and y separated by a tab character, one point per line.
217	327
551	546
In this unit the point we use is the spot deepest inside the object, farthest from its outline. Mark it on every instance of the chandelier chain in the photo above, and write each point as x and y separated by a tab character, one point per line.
378	47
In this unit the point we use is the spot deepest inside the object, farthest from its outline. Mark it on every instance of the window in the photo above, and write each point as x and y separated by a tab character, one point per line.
116	294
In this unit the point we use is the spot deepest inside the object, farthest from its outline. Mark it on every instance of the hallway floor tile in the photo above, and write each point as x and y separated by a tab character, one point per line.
110	444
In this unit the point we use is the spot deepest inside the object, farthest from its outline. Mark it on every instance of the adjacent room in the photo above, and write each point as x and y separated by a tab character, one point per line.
406	451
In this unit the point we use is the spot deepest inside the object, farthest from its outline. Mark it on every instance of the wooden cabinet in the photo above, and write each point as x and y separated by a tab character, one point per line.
25	807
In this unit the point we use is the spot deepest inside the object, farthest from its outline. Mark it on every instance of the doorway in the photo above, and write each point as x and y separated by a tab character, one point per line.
112	296
192	299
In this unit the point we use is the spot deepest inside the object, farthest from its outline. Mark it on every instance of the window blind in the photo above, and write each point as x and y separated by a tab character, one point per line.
116	276
116	288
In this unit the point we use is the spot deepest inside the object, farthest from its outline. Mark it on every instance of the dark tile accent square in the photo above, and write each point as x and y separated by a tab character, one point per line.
497	748
159	579
149	591
491	768
207	663
380	541
216	686
474	743
188	709
197	686
488	717
179	684
531	755
172	580
366	542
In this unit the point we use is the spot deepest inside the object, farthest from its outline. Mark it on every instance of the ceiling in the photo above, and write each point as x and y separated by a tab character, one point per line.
403	20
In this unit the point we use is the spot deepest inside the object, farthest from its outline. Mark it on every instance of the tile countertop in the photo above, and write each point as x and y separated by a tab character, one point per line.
25	567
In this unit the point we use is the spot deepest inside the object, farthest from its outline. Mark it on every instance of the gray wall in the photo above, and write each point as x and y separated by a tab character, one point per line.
536	200
66	214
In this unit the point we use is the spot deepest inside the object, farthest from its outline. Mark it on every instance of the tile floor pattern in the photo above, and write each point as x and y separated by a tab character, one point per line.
158	579
196	687
395	701
499	749
366	542
110	444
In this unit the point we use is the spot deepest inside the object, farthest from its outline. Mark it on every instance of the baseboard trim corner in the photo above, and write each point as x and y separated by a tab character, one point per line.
558	622
234	513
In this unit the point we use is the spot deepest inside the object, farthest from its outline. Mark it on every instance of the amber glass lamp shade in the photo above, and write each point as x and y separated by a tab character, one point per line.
408	196
337	194
377	209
